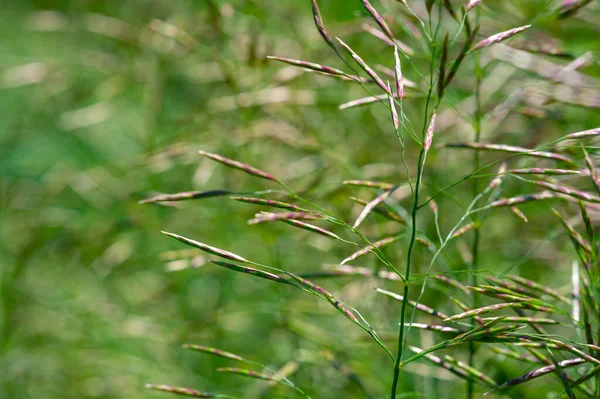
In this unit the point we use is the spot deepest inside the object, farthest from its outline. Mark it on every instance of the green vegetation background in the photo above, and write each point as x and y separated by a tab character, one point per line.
98	110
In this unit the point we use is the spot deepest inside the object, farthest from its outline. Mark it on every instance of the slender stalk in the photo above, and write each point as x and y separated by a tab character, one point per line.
477	231
407	274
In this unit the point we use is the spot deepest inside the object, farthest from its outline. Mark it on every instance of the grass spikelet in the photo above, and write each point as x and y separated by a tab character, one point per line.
378	34
523	198
372	74
486	309
418	306
393	110
207	248
451	282
250	270
498	37
501	295
247	373
515	355
496	181
370	184
465	308
309	65
569	191
365	101
371	205
512	287
593	170
311	228
267	202
429	133
518	213
457	368
238	165
463	230
319	24
433	327
472	4
583	134
185	196
377	244
312	286
273	217
398	74
180	391
513	150
383	212
213	351
378	19
542	171
541	371
523	319
538	287
576	238
485	326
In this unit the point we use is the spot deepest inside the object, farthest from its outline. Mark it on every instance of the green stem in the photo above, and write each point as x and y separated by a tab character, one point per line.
407	275
477	232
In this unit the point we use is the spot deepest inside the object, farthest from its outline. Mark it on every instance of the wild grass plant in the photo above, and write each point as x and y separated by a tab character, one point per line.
431	225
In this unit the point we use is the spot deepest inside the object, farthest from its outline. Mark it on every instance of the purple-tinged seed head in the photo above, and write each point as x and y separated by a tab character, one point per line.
238	165
212	351
180	391
429	132
498	37
378	19
472	4
207	248
372	74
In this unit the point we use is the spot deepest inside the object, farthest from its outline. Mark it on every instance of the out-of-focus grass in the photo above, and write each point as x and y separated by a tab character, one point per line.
105	103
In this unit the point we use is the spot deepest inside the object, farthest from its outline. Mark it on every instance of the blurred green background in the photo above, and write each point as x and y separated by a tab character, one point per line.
104	103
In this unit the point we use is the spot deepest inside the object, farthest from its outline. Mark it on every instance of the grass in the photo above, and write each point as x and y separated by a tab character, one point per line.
100	113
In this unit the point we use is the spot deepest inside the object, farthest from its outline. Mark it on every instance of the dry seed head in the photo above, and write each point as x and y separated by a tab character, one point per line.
378	19
523	198
377	244
583	134
273	217
429	132
310	227
472	4
394	111
319	24
519	213
364	66
498	37
180	391
250	270
384	212
238	165
368	183
309	65
267	202
512	150
212	351
370	206
207	248
247	373
586	197
185	196
398	73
